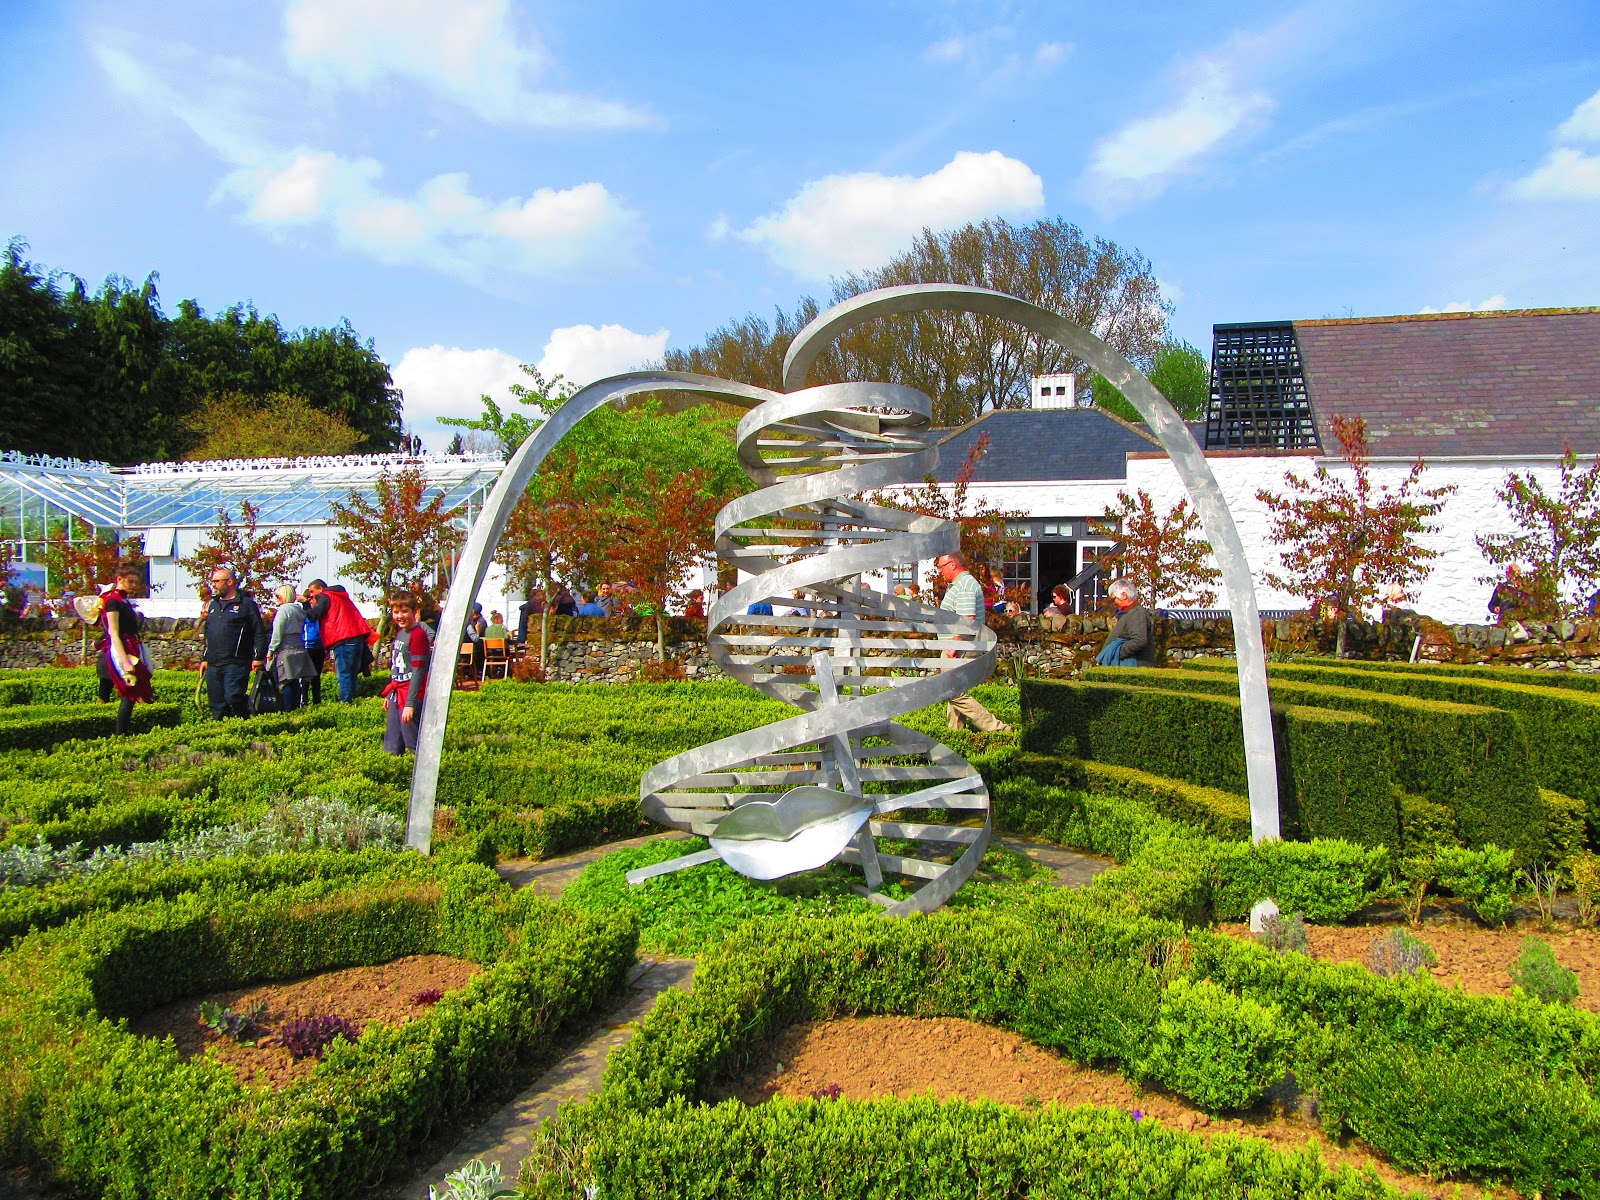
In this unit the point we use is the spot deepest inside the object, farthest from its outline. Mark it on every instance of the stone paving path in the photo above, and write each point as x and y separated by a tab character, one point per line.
504	1137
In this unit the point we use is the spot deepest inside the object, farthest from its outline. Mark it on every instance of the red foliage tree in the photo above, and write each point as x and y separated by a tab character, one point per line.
259	560
1342	540
398	539
550	538
1557	538
1160	553
656	547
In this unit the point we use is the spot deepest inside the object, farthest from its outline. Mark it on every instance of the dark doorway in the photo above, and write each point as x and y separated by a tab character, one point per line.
1058	562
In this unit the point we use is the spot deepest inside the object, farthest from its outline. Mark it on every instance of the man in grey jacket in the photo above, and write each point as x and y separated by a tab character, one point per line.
1132	640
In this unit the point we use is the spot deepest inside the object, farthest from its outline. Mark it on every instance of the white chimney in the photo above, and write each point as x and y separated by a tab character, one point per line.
1055	391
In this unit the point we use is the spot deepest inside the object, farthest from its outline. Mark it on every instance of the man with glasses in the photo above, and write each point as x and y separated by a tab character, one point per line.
236	644
963	595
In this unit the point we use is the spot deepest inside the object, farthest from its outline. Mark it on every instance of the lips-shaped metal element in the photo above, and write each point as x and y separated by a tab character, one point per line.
802	829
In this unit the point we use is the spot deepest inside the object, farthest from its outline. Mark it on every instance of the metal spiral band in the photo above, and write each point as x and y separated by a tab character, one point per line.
859	657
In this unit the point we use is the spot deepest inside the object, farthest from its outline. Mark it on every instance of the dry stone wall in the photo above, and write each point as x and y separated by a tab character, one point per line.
586	650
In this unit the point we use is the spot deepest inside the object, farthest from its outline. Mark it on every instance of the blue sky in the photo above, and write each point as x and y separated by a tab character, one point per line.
485	182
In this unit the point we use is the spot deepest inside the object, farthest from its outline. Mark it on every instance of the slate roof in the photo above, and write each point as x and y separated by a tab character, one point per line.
1036	445
1493	383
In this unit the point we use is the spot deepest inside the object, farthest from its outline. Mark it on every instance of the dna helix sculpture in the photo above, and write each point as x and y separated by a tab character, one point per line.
857	658
852	659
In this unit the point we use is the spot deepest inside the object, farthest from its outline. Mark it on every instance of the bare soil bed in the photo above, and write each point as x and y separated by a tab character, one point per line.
866	1057
1470	957
388	994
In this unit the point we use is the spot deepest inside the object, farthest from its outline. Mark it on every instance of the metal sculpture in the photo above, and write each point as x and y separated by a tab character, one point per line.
851	660
857	658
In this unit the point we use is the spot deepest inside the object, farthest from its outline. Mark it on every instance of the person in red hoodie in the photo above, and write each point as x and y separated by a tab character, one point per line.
345	633
408	675
121	651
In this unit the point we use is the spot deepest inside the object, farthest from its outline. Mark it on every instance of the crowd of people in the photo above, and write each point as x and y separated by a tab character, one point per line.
289	656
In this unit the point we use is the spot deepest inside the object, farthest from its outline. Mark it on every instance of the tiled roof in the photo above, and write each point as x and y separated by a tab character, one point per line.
1034	445
1496	383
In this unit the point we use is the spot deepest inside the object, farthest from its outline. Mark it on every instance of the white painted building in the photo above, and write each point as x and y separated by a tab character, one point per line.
1476	395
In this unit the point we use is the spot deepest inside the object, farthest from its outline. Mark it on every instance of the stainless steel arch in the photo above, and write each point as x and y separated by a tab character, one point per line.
1179	443
485	535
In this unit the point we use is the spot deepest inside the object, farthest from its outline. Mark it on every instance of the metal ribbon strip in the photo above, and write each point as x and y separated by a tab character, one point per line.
858	657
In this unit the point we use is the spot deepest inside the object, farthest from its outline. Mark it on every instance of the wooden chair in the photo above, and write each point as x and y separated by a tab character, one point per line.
464	664
496	658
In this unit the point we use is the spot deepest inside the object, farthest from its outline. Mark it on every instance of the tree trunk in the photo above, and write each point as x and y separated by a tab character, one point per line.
661	635
544	632
1339	644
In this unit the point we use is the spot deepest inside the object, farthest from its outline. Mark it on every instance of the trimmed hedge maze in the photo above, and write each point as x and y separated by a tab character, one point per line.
1397	757
99	1110
1436	1080
1127	973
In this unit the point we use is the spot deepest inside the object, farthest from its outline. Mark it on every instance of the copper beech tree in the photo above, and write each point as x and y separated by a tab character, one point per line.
399	538
550	536
1343	538
260	560
1162	554
657	547
1557	538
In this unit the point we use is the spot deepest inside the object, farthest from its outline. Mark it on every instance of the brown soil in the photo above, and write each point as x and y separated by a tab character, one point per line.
1471	958
867	1057
385	994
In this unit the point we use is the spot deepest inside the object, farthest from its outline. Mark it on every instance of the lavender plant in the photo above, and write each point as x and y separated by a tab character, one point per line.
304	824
1284	934
477	1180
1399	953
1537	973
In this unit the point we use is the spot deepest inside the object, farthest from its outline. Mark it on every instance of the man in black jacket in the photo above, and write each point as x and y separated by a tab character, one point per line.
236	644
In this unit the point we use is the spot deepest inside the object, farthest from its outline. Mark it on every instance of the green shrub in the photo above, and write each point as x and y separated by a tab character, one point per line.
1095	1013
1537	973
33	727
1221	1050
1562	725
1471	758
1424	824
914	1149
1333	772
1528	676
1482	878
1326	880
1469	1109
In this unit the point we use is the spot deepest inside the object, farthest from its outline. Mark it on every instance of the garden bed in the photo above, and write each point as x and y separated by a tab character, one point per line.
868	1058
392	994
1470	957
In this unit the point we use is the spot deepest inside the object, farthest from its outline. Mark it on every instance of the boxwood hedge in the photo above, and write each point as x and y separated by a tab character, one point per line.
99	1110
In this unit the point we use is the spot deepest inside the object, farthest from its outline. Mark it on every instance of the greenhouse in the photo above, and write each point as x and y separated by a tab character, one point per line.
172	504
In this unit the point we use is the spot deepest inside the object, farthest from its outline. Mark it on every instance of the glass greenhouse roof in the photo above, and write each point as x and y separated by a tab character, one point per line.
288	491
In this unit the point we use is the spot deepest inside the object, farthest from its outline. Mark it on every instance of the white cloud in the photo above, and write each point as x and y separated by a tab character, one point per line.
1494	302
444	225
1566	174
441	381
1049	53
719	229
951	49
463	50
583	353
844	223
1139	161
1584	123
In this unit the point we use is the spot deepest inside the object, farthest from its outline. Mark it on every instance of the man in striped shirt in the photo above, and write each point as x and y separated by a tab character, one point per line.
963	595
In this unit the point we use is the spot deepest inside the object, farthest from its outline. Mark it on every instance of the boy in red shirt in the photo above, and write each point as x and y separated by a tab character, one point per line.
408	675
